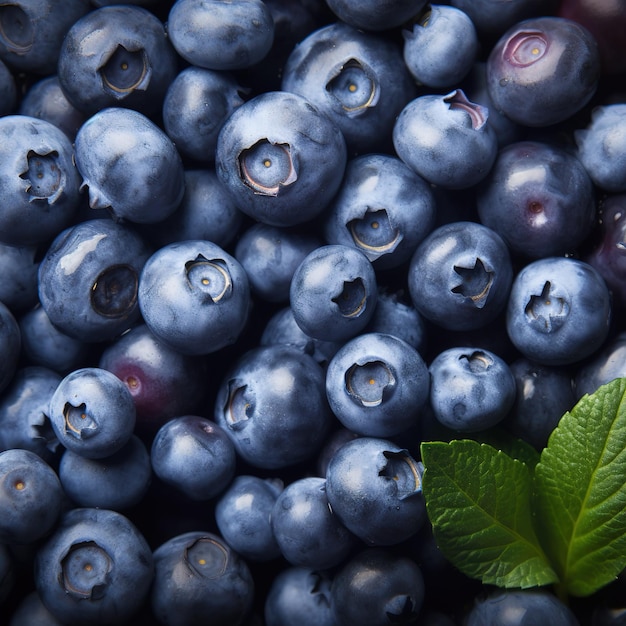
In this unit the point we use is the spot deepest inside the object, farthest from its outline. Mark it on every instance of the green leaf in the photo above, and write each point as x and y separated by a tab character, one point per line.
512	446
478	501
580	491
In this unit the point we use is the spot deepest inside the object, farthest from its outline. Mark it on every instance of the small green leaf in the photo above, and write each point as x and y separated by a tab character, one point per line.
580	491
478	501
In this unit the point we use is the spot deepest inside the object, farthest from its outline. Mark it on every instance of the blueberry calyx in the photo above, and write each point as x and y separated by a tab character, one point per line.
43	177
478	114
239	406
211	277
206	558
125	71
547	311
353	85
352	299
477	362
400	610
16	30
475	282
78	422
374	233
114	293
369	383
85	570
405	471
265	167
525	48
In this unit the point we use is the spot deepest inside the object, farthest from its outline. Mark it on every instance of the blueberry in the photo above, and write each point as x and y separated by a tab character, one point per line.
333	292
10	346
460	276
270	255
377	586
471	390
440	48
23	412
306	529
18	282
356	78
31	497
375	15
39	180
513	607
32	612
446	139
281	158
118	482
8	90
243	512
377	385
89	278
539	198
117	56
96	568
197	575
129	166
559	311
154	374
273	405
194	455
606	365
194	296
33	32
602	147
374	488
299	595
543	70
196	104
221	35
92	412
382	208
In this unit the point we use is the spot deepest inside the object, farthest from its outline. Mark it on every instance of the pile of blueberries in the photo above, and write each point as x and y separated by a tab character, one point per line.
252	254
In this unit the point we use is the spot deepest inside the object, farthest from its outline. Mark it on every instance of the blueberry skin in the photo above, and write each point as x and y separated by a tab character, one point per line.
89	278
377	587
32	612
543	396
460	276
377	385
270	255
10	346
8	90
196	104
357	79
333	293
447	139
155	374
281	328
471	390
273	405
31	497
441	47
281	158
513	607
92	413
374	488
609	363
382	208
299	595
305	527
559	311
194	296
543	70
33	33
207	211
39	181
539	198
242	514
117	482
197	575
129	166
117	56
374	15
23	408
18	282
43	344
115	586
601	147
47	101
221	35
194	455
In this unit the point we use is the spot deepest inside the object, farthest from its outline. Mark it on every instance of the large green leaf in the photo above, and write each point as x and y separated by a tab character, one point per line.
478	501
580	492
